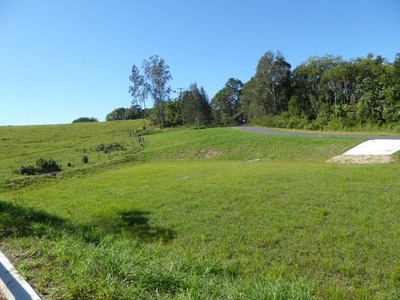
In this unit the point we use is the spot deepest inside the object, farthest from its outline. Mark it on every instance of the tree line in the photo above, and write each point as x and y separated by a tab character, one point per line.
326	91
321	92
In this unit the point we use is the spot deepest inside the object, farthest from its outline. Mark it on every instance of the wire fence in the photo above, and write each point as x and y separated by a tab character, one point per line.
80	158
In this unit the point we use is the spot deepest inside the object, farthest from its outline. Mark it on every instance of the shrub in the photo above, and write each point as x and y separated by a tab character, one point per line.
110	147
85	120
296	123
100	147
27	170
47	166
42	166
85	159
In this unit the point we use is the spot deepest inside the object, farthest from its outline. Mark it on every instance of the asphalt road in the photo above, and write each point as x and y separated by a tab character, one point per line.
312	134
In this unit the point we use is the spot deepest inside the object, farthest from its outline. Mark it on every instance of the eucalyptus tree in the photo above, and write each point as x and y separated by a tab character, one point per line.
339	87
268	92
226	104
310	87
373	88
392	94
157	76
365	89
139	90
154	82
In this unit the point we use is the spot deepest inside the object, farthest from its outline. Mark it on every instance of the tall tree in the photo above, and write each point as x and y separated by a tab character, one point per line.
154	82
157	76
226	104
339	85
270	89
173	113
195	106
311	90
372	87
393	92
252	107
138	90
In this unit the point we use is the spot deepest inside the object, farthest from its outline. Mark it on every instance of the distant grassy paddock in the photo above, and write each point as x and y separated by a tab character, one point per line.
21	145
214	213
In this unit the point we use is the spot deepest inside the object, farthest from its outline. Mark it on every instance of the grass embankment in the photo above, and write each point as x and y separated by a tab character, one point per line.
213	213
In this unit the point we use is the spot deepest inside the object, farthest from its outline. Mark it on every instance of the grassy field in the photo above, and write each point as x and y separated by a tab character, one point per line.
198	214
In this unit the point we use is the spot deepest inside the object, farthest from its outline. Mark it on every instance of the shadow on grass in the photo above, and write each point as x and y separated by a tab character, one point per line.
18	220
137	223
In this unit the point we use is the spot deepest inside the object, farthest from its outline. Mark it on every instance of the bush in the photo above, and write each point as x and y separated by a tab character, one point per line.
27	170
84	120
110	147
284	120
42	166
47	166
100	147
85	159
319	123
296	123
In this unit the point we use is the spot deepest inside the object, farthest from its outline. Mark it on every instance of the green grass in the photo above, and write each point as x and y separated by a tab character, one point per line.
21	145
210	214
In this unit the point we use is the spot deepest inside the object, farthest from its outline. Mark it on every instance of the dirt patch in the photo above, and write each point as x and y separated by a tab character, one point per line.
211	153
362	159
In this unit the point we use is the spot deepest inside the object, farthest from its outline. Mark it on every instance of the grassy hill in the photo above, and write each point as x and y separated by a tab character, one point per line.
197	214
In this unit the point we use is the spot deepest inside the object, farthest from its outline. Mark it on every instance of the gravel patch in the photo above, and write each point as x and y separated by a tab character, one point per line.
362	159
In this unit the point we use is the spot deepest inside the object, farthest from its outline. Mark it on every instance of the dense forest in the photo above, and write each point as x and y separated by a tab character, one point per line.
321	93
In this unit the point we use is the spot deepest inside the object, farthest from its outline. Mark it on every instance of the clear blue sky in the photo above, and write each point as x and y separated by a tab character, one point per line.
65	59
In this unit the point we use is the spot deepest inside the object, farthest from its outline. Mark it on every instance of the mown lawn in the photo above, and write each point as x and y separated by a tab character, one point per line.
211	213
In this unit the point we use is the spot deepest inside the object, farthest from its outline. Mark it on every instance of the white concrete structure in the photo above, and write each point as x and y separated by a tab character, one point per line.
375	147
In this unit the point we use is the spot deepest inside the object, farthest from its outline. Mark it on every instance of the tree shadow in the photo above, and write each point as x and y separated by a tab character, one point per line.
137	223
20	221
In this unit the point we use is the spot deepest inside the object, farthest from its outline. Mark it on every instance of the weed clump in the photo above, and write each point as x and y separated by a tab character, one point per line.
110	147
146	131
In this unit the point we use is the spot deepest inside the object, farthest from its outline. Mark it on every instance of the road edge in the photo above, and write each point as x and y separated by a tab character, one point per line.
13	285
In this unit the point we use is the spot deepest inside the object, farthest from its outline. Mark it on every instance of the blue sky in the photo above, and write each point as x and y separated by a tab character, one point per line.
65	59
